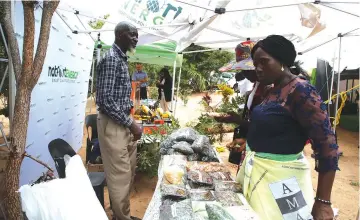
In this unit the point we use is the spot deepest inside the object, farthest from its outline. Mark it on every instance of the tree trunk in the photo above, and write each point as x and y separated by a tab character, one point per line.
12	205
27	76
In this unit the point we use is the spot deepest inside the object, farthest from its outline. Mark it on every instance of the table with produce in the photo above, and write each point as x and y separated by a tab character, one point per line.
193	183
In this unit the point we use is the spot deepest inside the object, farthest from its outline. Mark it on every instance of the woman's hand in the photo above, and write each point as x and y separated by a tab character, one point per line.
230	145
322	211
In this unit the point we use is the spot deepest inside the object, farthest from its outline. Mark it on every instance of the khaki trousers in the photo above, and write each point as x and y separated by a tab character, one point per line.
118	153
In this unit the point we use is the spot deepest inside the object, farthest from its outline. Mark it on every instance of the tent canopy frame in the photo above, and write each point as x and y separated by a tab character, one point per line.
217	11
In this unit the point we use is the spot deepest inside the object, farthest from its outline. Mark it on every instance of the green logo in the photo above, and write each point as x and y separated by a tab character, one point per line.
62	75
155	11
70	74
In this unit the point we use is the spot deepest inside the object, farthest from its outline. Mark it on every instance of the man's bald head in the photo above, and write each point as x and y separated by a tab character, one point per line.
126	36
124	26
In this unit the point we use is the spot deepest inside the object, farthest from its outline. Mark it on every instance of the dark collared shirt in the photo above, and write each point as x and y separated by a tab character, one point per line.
113	86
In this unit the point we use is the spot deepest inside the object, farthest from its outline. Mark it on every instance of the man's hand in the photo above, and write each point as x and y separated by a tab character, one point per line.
136	131
322	211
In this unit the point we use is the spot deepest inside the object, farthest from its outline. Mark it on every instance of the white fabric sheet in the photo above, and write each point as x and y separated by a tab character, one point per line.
72	198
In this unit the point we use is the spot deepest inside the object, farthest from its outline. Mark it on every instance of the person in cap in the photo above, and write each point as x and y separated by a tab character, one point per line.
275	175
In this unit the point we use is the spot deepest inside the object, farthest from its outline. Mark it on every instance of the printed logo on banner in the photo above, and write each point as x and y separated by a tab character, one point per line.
143	12
290	200
59	74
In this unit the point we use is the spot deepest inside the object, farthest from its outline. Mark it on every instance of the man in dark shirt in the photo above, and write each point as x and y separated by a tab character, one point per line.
117	131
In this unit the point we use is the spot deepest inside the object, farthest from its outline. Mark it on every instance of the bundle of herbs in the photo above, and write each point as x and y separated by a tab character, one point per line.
148	156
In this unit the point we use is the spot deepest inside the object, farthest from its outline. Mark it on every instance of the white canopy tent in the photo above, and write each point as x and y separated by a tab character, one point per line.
223	24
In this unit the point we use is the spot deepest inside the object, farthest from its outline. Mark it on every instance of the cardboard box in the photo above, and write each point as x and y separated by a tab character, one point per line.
95	167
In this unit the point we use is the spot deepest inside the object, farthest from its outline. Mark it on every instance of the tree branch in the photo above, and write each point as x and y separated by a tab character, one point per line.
38	161
28	42
49	8
5	18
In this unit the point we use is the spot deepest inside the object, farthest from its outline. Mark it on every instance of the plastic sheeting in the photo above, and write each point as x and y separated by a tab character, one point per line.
63	199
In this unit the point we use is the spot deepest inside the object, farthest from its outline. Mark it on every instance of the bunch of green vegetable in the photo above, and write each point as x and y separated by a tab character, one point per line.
148	156
231	106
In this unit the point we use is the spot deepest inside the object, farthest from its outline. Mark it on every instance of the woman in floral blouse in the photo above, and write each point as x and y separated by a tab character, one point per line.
275	176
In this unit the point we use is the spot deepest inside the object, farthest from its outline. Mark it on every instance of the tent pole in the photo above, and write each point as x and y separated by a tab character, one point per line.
112	22
270	6
352	92
197	6
338	9
196	51
92	77
107	30
12	82
3	79
173	86
227	33
327	82
217	42
98	51
177	91
245	9
92	84
328	41
332	81
56	11
338	83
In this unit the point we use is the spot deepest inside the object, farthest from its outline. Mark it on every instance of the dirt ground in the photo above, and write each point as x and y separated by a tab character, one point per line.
345	194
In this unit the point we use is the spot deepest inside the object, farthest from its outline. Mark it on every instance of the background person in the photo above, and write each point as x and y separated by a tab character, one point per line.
142	78
290	113
117	131
165	89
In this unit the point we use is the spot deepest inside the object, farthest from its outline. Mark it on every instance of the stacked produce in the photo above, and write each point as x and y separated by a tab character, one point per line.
188	142
198	190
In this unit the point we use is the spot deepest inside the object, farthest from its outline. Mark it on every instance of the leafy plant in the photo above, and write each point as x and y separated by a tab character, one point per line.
206	125
153	93
226	92
354	183
148	156
184	95
231	106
